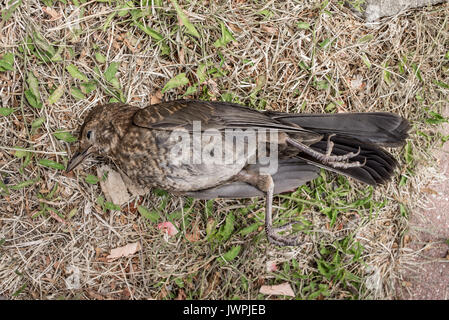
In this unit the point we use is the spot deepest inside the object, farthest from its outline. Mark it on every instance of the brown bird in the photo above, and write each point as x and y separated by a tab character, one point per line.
211	150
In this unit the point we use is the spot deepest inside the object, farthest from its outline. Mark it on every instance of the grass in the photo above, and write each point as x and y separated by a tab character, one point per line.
57	61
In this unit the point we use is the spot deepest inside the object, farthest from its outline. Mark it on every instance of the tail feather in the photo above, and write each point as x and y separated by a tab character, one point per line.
367	131
378	128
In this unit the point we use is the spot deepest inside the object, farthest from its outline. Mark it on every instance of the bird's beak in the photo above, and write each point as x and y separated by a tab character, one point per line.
77	158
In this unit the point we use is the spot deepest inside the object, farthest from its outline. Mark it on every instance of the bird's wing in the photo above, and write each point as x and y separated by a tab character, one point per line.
212	115
175	115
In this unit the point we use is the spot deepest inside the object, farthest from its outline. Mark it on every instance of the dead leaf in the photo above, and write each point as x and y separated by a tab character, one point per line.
52	13
56	217
113	187
269	30
213	89
235	28
429	190
272	266
283	289
35	137
162	294
127	42
94	295
132	207
124	251
407	284
156	97
181	56
133	188
213	281
181	295
116	44
98	252
341	108
126	294
357	83
407	239
70	174
73	282
113	285
261	81
195	235
168	228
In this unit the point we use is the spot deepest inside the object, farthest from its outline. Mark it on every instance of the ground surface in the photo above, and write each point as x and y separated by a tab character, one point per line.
427	275
57	230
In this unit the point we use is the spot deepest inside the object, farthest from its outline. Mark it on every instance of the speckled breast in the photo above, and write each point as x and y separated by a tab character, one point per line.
181	161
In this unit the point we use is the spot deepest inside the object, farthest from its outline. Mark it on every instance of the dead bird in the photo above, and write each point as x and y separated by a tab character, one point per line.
212	150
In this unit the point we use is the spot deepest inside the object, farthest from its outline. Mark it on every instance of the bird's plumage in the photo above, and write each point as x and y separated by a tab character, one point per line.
140	141
379	128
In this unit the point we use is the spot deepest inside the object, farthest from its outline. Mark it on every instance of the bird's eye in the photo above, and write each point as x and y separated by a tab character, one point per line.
89	134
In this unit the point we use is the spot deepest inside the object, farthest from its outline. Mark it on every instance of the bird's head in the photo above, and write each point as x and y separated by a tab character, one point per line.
98	134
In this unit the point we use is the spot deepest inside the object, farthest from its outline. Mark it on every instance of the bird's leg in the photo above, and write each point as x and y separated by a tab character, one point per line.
327	158
264	182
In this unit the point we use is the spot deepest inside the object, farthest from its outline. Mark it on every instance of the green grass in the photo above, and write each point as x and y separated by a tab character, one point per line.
265	55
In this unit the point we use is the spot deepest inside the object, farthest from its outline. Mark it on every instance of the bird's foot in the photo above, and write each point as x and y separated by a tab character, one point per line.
275	238
327	158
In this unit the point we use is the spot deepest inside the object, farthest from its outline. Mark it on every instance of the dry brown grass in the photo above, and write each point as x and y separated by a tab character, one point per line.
39	253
